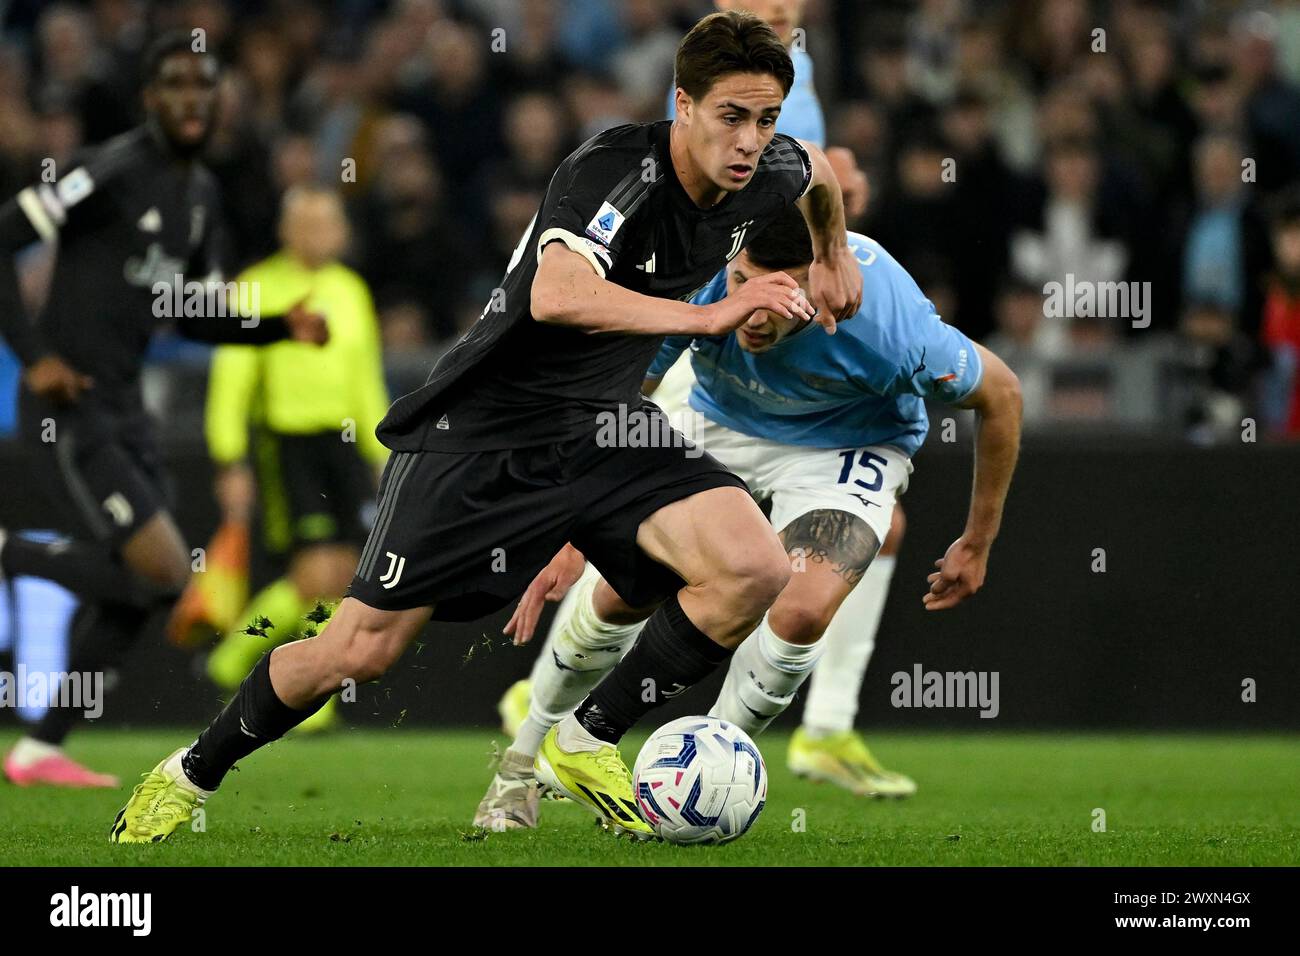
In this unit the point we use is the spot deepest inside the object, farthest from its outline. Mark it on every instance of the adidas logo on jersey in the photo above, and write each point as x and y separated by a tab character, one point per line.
151	221
649	265
443	424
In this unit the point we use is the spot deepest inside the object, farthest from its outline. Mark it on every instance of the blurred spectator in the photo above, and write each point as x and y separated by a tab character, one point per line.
1226	243
536	142
884	68
932	48
1281	326
1219	361
78	74
982	68
239	157
1271	103
1051	36
409	252
643	68
1072	229
454	95
916	213
1007	143
983	192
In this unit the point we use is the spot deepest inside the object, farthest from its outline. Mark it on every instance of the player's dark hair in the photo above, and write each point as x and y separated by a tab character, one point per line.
165	45
730	42
784	244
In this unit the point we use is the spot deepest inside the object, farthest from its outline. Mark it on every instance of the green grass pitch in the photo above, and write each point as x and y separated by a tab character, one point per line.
406	796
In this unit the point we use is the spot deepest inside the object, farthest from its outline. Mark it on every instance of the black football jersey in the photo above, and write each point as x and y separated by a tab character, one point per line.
512	381
127	216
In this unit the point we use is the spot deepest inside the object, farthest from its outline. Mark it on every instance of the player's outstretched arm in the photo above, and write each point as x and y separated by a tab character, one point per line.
567	291
225	327
997	405
834	277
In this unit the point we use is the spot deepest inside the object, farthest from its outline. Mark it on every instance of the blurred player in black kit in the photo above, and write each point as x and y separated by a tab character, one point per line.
135	220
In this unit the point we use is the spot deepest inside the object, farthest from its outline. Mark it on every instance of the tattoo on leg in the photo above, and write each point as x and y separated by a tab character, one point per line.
843	539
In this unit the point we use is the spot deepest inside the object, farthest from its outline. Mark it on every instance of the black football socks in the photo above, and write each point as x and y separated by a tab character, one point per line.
254	717
91	571
671	655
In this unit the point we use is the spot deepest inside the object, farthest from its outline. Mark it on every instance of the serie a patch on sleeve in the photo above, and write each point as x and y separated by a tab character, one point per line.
605	224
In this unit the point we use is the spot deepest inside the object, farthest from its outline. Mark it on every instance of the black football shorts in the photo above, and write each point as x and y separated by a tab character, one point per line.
466	532
99	466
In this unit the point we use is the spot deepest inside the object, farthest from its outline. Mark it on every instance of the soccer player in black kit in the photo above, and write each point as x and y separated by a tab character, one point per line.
132	218
499	459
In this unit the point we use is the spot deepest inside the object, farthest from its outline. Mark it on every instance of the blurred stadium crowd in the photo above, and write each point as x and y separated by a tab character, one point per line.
1008	143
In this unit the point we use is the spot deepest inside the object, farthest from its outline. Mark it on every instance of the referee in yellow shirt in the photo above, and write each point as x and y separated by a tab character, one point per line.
294	426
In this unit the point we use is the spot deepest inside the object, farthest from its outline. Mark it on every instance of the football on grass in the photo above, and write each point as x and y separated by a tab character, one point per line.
700	780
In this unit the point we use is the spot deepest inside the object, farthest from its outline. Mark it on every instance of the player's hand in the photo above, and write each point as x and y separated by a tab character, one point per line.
235	491
551	584
836	286
775	292
853	181
961	573
54	379
305	326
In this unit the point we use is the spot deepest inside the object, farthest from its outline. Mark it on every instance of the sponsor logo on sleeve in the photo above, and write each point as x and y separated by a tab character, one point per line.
601	252
74	187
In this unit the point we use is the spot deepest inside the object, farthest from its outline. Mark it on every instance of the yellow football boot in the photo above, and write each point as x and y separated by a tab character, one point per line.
161	802
844	760
591	773
513	707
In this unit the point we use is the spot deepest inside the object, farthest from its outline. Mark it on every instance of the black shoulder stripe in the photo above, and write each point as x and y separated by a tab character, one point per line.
633	189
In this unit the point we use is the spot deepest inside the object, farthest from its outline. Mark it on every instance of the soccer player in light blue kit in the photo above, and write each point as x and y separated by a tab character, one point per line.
825	427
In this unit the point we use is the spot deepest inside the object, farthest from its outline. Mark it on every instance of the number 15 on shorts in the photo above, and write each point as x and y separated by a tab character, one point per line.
864	463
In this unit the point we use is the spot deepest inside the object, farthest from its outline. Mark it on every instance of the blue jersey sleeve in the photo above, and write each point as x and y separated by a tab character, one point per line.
673	346
905	347
941	362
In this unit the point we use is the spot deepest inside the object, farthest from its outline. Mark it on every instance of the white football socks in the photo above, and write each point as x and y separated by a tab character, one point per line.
764	674
851	637
580	650
29	750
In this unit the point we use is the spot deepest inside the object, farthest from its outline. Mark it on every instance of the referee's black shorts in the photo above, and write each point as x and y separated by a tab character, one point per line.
466	532
312	489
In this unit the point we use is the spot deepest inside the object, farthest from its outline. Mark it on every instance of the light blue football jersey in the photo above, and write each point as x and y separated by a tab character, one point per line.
801	113
865	385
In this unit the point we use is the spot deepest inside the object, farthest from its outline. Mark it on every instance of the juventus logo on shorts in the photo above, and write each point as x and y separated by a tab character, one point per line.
119	508
738	238
395	567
